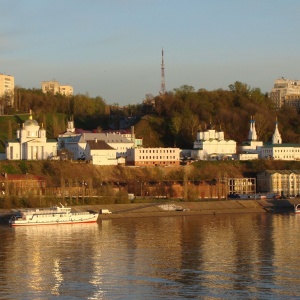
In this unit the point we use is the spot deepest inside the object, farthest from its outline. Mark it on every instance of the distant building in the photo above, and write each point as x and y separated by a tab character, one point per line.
241	186
68	135
100	153
279	151
153	156
282	182
129	134
31	143
77	144
251	148
286	91
75	140
7	85
211	145
54	88
276	150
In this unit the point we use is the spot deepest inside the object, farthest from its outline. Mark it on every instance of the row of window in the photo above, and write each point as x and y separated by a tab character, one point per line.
282	150
157	157
157	151
155	163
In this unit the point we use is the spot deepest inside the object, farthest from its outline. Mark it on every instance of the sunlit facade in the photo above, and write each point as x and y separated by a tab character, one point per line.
153	156
31	143
7	85
285	91
54	88
282	182
211	145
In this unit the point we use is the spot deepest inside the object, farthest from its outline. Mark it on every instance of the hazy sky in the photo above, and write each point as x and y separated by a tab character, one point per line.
112	48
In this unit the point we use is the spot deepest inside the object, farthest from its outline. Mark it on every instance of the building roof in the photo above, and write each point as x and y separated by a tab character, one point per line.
14	177
280	145
107	137
99	145
287	172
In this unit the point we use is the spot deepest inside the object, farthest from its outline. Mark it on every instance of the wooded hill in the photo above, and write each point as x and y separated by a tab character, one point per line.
173	121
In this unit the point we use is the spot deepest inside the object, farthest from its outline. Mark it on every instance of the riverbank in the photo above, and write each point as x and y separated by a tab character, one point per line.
195	208
138	210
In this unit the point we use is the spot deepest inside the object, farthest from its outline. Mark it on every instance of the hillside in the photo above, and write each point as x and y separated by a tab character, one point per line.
55	171
172	119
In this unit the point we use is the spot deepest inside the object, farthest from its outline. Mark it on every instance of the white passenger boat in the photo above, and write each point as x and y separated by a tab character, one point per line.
297	208
51	216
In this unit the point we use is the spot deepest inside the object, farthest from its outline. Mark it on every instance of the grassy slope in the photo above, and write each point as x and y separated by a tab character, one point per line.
54	171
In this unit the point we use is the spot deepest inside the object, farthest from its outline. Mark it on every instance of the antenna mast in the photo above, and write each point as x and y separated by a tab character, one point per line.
163	84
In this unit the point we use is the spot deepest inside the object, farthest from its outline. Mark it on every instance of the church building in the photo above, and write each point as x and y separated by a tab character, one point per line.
250	149
254	149
211	145
31	143
278	150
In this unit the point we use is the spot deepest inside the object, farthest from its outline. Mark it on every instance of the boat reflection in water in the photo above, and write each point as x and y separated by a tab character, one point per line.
49	256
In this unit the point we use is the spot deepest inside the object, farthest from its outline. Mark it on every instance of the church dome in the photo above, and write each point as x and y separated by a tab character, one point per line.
31	122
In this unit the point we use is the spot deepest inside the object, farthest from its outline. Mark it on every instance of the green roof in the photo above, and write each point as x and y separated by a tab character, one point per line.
280	145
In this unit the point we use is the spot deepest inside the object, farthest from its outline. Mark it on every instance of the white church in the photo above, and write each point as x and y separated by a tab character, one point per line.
211	145
251	148
31	143
276	150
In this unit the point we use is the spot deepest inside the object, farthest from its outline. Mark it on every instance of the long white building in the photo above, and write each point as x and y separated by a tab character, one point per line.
276	150
153	156
279	151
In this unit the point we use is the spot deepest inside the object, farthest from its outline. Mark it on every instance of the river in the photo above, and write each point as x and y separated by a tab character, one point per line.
246	256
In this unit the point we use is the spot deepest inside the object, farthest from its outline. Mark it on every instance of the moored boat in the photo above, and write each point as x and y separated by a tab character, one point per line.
51	216
297	208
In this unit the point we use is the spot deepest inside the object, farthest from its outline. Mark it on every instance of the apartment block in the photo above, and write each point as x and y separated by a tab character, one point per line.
282	182
286	91
7	85
54	88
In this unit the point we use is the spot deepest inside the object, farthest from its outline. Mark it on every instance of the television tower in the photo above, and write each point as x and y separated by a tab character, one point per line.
163	84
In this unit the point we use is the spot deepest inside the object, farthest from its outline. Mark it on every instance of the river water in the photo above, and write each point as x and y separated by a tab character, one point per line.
247	256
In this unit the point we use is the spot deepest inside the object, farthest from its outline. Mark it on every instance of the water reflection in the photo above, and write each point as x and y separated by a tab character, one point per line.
212	257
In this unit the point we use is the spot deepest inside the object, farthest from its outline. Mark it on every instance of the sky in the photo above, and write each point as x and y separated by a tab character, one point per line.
112	48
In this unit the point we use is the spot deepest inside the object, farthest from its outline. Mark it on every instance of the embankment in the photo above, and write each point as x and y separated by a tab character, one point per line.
195	208
136	210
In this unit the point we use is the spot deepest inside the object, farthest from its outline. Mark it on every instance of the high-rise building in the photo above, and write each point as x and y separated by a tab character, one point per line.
7	85
54	87
286	91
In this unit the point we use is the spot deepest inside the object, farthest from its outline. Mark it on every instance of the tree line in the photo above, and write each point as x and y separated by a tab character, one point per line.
181	112
186	111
